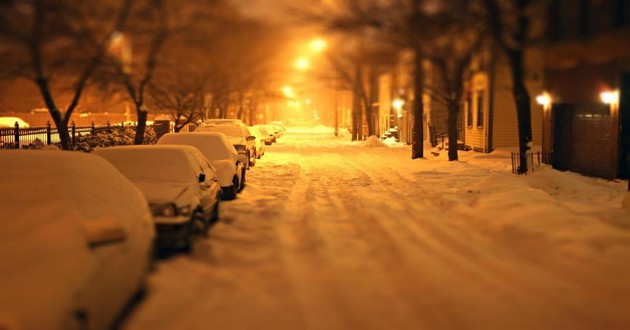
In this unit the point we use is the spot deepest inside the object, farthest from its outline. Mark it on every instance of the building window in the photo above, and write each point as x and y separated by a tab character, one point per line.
469	112
480	106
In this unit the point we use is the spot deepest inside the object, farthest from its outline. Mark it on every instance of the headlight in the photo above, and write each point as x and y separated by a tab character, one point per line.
240	148
169	210
184	210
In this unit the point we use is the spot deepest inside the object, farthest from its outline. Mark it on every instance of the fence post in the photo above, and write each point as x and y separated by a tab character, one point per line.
108	125
17	135
48	133
74	130
93	129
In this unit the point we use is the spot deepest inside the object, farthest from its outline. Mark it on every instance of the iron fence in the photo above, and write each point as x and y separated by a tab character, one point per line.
14	137
533	161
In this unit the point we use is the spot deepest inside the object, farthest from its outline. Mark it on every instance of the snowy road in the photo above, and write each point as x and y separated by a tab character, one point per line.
337	235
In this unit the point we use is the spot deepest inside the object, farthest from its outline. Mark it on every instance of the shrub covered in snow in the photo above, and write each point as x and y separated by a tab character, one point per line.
113	136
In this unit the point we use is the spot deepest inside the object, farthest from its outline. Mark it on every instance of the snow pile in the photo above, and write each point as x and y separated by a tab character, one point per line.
392	142
373	142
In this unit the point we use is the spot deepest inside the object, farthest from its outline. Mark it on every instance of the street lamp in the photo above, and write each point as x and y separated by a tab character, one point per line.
398	105
318	45
302	64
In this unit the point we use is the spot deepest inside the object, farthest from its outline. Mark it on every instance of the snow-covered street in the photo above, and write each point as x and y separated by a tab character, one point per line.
332	234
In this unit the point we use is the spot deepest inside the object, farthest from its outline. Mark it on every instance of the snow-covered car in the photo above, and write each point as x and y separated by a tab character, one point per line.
219	152
6	122
279	126
223	121
179	184
268	138
260	143
239	136
76	241
273	130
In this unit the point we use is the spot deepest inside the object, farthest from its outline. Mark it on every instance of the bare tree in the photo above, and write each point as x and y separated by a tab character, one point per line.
58	45
510	27
462	29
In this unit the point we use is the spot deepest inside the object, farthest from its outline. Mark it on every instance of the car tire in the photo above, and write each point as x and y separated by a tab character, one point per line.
243	181
214	216
251	161
230	192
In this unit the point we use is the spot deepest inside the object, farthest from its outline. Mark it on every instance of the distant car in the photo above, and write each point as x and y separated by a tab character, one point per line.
180	185
279	125
6	122
268	137
260	144
240	137
220	153
77	240
273	130
223	121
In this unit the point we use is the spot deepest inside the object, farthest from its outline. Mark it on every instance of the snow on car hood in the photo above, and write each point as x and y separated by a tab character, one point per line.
180	193
237	140
225	170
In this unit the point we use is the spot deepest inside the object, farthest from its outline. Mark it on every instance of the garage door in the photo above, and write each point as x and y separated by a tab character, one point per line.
582	139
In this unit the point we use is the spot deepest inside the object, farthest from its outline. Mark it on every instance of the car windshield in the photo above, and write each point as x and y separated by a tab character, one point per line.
229	130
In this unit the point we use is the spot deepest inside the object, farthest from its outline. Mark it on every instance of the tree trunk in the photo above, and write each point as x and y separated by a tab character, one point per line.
356	116
453	110
142	115
62	129
523	108
417	139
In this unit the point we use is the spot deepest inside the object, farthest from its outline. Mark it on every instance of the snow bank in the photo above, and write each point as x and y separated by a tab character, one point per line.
373	142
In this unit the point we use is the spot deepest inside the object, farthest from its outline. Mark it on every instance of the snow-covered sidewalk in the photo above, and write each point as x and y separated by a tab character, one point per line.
331	234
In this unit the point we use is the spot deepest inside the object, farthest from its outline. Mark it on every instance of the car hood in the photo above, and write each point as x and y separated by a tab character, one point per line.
180	193
237	140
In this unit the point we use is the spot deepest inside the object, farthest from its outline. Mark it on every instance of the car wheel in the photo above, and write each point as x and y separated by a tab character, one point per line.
202	224
214	216
250	163
243	181
231	191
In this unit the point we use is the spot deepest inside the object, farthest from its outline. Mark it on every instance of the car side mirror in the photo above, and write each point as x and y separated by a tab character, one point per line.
104	231
202	177
251	138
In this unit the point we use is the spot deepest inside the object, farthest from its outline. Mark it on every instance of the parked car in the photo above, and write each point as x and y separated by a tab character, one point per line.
274	130
239	136
220	153
260	144
180	185
77	241
279	125
268	137
9	122
223	121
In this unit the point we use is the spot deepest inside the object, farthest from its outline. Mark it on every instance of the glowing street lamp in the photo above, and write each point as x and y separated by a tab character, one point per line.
398	105
288	92
610	97
543	99
318	45
302	63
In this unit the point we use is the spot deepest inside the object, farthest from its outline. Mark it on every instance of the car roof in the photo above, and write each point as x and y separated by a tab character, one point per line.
70	179
154	162
213	145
